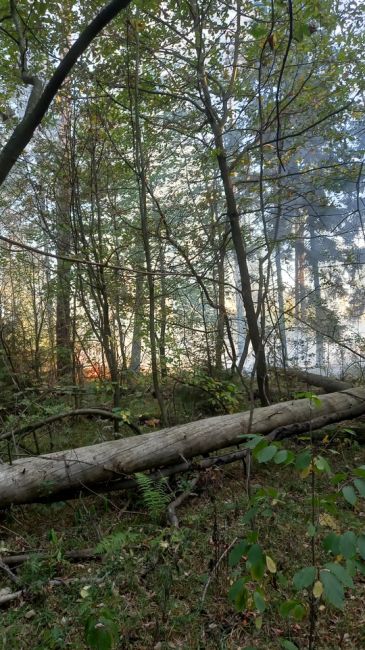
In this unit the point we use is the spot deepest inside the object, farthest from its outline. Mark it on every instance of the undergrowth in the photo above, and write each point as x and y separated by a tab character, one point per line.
147	591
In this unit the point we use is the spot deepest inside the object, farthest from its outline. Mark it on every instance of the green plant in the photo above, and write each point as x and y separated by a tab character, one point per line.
221	394
116	541
154	494
101	631
336	558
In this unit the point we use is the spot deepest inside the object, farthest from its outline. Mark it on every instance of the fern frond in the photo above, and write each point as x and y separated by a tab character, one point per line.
116	541
153	493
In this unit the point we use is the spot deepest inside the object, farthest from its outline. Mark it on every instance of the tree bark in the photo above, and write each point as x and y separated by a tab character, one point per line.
28	479
329	384
136	348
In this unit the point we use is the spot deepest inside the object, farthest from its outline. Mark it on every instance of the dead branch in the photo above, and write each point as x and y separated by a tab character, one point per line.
88	412
73	556
171	510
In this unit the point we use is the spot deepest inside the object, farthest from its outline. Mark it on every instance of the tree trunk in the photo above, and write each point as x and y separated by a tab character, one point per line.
221	311
163	312
317	298
300	272
217	126
64	241
281	305
136	349
28	479
63	309
142	187
239	246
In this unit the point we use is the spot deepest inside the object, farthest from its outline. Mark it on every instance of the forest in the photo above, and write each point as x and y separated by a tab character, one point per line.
182	325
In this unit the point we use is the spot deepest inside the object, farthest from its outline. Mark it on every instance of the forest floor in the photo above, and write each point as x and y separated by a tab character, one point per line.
148	590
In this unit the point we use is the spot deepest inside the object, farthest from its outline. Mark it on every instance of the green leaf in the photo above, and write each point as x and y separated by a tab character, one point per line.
281	456
333	589
293	609
361	545
340	572
256	561
351	567
298	612
322	464
100	632
254	440
252	537
259	602
331	543
288	645
255	554
351	432
282	580
286	607
238	594
258	570
360	486
360	471
360	567
305	577
306	394
264	455
236	553
347	546
250	514
338	478
303	460
311	530
316	401
349	494
290	458
258	30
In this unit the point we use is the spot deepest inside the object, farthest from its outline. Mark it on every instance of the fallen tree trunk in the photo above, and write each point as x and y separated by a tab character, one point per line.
131	484
28	479
329	384
75	556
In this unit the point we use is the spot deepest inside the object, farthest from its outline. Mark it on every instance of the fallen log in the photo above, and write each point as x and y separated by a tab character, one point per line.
329	384
315	423
28	479
131	484
80	555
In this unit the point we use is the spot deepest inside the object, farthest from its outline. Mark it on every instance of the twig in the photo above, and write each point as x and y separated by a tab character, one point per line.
89	412
9	572
171	510
215	569
8	596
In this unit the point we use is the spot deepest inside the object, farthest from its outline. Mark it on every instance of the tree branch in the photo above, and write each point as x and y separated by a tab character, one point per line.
23	133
